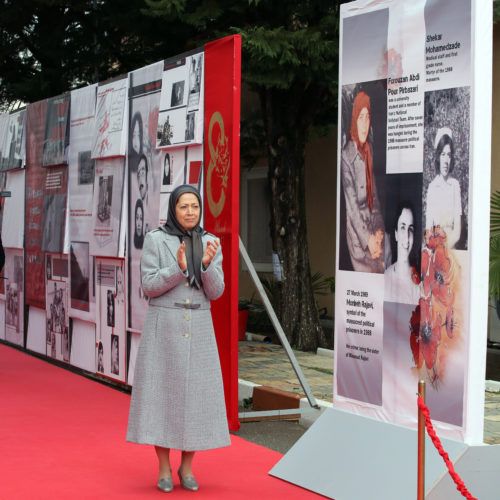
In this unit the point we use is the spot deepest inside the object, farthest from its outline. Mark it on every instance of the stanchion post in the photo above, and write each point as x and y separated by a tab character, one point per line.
421	445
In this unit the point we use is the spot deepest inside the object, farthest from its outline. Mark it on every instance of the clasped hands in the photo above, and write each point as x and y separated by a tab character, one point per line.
375	244
208	254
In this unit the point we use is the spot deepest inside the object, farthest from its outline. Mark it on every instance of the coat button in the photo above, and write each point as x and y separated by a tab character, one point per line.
187	301
187	283
187	318
186	335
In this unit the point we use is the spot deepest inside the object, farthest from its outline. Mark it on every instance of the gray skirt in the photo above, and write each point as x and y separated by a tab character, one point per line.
178	397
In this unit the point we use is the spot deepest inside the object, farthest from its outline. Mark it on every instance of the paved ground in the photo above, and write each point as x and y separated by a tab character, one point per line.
268	364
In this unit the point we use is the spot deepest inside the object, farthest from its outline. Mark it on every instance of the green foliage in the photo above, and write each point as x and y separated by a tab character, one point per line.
496	10
494	281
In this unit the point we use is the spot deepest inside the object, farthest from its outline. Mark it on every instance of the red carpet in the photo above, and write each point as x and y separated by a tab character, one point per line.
63	437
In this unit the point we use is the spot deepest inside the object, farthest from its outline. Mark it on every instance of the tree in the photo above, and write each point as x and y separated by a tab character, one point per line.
51	46
290	58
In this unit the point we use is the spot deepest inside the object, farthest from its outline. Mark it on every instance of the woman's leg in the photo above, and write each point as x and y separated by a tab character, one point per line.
164	469
186	461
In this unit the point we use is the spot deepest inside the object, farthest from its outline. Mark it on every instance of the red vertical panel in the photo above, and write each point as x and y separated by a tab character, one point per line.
222	174
35	180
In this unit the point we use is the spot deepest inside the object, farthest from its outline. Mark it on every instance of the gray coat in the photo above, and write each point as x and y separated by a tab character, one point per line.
361	222
178	398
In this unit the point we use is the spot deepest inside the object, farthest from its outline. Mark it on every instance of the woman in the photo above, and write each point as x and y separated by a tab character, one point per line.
444	203
364	222
401	278
178	399
139	224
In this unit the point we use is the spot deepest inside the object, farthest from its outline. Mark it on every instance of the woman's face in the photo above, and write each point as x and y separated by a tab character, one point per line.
404	234
136	138
445	161
363	125
187	210
139	217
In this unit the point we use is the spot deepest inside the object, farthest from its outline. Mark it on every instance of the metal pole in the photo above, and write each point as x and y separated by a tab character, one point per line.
277	327
421	445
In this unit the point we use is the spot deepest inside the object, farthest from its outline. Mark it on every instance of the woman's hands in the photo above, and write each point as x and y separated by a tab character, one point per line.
208	255
181	257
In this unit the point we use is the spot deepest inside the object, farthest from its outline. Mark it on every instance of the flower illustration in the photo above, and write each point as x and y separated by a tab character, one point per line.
436	308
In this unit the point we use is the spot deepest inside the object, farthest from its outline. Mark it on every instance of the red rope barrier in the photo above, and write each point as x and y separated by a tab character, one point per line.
437	443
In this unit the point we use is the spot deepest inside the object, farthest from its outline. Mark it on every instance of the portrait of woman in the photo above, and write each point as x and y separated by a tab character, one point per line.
110	309
444	202
136	135
364	224
166	170
178	398
401	277
100	356
139	224
115	355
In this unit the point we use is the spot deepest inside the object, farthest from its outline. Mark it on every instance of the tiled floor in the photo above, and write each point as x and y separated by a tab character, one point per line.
268	364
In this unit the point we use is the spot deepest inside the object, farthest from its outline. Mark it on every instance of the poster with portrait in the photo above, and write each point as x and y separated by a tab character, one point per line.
82	289
111	327
13	149
14	295
80	163
403	210
110	134
13	211
180	120
54	209
180	166
57	317
145	163
107	207
35	180
56	137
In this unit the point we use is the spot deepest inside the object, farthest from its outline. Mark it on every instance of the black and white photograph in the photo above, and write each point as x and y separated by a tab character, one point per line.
190	124
105	194
80	275
12	306
115	355
48	267
361	228
86	167
446	163
167	170
14	295
403	216
54	210
110	311
195	79
139	224
177	98
65	344
100	358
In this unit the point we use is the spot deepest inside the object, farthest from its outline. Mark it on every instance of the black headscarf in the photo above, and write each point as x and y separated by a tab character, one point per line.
192	238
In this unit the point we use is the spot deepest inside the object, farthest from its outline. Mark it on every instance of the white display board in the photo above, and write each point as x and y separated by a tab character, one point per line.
413	131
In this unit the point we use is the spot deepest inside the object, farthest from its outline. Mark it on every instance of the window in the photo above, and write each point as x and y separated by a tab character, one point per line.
255	218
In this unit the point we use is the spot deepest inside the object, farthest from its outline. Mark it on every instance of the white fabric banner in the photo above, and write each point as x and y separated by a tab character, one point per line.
110	332
405	107
13	211
106	212
109	137
14	295
13	149
145	164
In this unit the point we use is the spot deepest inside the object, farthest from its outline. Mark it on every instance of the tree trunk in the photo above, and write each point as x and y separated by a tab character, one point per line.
287	130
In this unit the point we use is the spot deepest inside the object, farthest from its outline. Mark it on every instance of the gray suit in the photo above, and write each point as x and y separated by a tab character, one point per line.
360	223
178	397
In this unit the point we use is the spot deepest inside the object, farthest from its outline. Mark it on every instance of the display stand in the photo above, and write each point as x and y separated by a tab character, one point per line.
347	457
